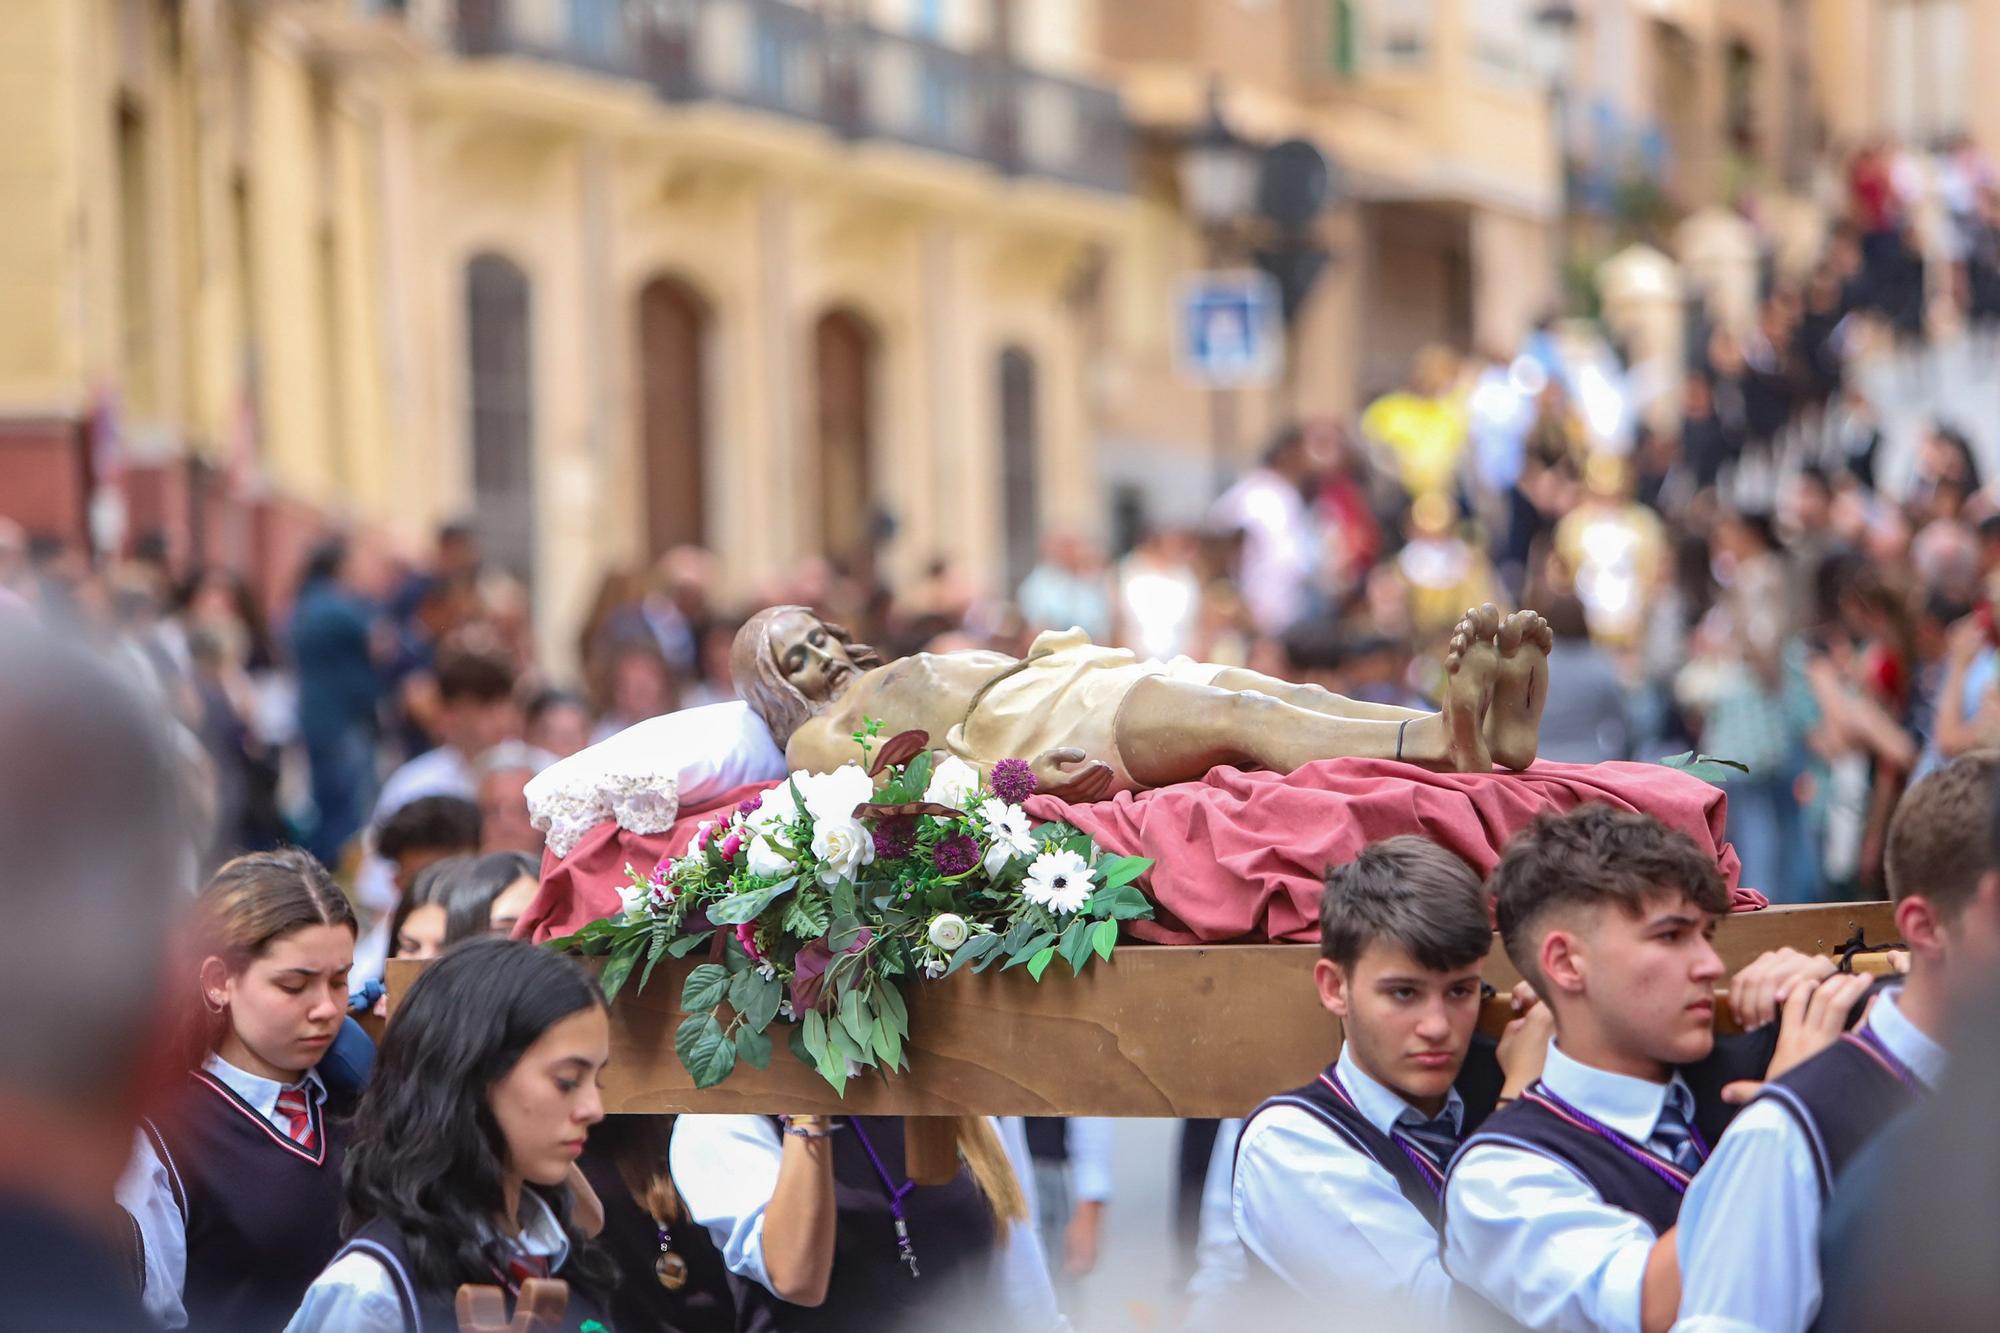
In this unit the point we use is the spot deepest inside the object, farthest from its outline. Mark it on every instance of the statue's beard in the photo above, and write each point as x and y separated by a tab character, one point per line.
841	677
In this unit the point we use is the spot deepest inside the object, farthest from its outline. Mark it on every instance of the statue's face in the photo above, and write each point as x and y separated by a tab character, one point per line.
815	662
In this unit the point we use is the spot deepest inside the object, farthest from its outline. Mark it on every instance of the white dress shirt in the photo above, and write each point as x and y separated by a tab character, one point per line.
356	1294
439	772
146	1190
1749	1232
726	1168
1530	1235
1333	1224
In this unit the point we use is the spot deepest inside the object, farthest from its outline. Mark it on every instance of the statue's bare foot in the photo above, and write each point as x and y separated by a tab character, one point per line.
1520	689
1471	662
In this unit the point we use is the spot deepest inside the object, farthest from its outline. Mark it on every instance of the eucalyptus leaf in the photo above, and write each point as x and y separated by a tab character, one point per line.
843	900
844	1047
974	949
795	1041
857	1017
889	1003
704	988
815	1037
888	1043
1040	962
1103	938
754	1047
687	944
1028	950
844	932
748	905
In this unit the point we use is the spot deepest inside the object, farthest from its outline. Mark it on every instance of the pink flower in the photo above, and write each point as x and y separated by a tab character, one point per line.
746	935
664	868
731	845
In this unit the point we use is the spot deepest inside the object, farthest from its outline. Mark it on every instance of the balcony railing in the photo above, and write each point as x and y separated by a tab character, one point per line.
861	81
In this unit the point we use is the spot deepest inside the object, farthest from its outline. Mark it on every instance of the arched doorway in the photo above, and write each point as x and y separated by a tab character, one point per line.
1020	448
500	381
673	424
844	367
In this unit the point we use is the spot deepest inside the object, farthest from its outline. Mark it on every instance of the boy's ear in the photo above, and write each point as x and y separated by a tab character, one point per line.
1918	922
1332	984
1562	961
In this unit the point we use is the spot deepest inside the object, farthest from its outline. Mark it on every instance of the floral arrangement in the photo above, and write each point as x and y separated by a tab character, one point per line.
820	901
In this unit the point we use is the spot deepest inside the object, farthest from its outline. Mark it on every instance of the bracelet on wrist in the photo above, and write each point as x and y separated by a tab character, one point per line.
824	1130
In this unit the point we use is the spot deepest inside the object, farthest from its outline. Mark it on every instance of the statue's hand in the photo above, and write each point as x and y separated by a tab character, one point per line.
1068	775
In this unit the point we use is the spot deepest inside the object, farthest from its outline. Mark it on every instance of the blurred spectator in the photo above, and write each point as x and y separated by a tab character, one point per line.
1587	719
485	895
1423	425
639	685
672	613
1442	573
558	722
1281	544
1068	588
476	711
335	643
13	557
504	773
714	686
88	802
1616	552
1159	596
407	844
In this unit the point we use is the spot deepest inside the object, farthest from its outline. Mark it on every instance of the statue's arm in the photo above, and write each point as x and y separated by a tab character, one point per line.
817	748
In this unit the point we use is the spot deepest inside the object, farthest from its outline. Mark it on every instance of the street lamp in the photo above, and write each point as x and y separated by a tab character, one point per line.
1555	26
1218	171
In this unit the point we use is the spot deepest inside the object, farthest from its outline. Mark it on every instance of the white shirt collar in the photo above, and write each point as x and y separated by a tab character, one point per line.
1381	1107
1923	1057
541	1234
261	1093
1629	1105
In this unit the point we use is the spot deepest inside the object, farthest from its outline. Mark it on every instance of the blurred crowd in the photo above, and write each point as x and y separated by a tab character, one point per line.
1723	562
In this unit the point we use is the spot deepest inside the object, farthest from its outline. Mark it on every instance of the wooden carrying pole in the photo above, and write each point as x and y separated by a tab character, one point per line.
1196	1031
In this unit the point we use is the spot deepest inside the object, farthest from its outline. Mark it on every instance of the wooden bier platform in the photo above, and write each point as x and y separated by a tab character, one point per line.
1157	1031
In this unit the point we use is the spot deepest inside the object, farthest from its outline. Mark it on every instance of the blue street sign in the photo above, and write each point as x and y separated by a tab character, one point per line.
1230	329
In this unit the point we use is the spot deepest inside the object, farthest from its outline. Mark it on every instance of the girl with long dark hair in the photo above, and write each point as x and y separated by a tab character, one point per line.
484	1093
236	1185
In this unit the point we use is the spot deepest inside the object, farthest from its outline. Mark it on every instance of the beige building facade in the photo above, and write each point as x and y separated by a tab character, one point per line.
604	277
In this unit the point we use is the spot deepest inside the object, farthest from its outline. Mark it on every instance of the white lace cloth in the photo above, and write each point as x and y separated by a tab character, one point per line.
641	776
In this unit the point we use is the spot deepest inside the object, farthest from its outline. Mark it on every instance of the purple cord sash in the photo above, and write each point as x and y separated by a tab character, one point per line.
1426	1168
1646	1157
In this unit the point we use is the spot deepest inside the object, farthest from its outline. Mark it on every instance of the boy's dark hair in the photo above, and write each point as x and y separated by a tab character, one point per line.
1589	856
547	700
1410	892
471	673
447	822
1939	844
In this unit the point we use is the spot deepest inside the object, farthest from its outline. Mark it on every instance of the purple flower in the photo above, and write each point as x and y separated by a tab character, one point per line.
1013	781
748	807
955	855
895	838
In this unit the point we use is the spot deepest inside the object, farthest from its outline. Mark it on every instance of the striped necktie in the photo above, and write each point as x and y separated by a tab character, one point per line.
1673	1136
294	1107
1436	1139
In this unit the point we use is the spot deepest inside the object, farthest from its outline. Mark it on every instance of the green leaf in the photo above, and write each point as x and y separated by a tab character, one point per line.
754	1047
705	1051
917	776
748	905
623	959
704	988
1040	962
1017	938
807	917
1124	903
1027	952
888	1043
857	1016
653	955
842	896
1075	946
795	1041
815	1029
889	1003
974	949
1122	870
756	997
845	1046
845	930
687	944
1103	937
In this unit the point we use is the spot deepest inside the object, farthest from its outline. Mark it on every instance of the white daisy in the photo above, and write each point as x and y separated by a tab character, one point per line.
1058	880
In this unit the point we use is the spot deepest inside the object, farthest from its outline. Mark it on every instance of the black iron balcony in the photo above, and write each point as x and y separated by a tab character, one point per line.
859	80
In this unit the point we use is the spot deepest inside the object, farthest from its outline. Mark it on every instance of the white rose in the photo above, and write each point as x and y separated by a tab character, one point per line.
766	860
842	846
632	896
952	783
834	795
776	808
948	931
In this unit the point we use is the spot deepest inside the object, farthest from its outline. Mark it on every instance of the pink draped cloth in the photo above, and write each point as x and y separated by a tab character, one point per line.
1239	856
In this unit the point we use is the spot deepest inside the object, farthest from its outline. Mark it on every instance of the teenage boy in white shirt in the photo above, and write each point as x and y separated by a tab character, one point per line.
1750	1228
1338	1184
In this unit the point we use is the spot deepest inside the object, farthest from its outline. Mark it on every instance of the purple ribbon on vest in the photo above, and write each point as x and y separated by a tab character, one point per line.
1426	1168
1646	1157
1870	1041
